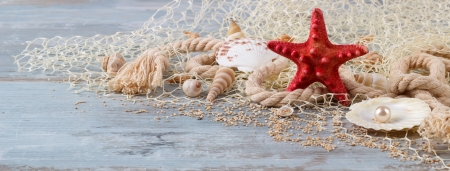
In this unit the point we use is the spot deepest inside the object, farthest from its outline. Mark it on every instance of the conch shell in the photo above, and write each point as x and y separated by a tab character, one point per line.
192	88
192	35
234	31
223	79
285	38
112	63
374	80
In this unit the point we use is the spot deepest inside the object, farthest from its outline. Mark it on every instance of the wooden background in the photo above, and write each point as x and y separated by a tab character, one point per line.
40	129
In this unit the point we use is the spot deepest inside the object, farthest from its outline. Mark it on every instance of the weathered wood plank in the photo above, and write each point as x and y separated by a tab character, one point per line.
41	129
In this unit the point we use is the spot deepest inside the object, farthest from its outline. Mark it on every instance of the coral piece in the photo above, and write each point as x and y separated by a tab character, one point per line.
374	80
285	38
246	54
192	87
191	35
234	31
112	63
385	113
318	59
223	79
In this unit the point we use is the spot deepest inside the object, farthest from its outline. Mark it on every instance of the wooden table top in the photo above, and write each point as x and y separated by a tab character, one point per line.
40	129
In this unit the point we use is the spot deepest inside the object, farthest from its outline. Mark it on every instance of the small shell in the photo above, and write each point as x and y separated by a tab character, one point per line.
234	31
222	80
246	54
113	63
285	38
285	111
374	80
192	88
405	113
192	35
181	78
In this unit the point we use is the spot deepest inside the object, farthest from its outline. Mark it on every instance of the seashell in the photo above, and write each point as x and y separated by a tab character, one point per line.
285	38
113	63
192	35
385	113
192	88
365	39
246	54
223	79
234	31
374	80
181	78
285	111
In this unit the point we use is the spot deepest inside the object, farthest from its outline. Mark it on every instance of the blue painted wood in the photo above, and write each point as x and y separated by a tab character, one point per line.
40	129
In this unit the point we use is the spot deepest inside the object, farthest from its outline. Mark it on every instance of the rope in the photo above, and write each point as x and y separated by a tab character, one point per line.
146	72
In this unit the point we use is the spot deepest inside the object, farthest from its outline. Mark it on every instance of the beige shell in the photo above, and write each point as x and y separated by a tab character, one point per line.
285	38
285	111
222	80
234	31
374	80
192	88
405	113
247	54
192	35
112	63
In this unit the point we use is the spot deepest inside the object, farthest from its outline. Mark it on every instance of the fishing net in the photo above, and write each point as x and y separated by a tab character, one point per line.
392	29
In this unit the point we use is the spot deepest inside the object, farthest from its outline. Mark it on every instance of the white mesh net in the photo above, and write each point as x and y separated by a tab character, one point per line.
398	29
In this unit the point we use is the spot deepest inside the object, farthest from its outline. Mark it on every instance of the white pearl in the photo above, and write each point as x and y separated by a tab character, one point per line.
382	114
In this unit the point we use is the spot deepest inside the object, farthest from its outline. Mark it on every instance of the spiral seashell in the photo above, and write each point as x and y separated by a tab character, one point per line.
191	35
374	80
234	31
223	79
112	63
285	38
192	88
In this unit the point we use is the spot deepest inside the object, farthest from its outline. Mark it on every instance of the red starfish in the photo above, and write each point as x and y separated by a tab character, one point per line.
318	59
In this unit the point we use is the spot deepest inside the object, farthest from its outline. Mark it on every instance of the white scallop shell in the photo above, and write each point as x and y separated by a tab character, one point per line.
405	113
247	54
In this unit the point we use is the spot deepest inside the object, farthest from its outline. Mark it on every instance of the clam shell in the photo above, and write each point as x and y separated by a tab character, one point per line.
285	111
405	113
247	54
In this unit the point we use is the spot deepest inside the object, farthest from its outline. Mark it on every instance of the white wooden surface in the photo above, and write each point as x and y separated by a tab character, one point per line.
41	130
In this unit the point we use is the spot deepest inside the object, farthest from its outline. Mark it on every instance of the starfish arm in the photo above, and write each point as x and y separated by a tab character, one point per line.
300	81
344	53
289	50
334	83
318	30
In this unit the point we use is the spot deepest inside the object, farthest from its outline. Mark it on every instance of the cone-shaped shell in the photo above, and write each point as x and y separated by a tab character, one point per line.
222	80
374	80
192	88
234	31
112	63
405	113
